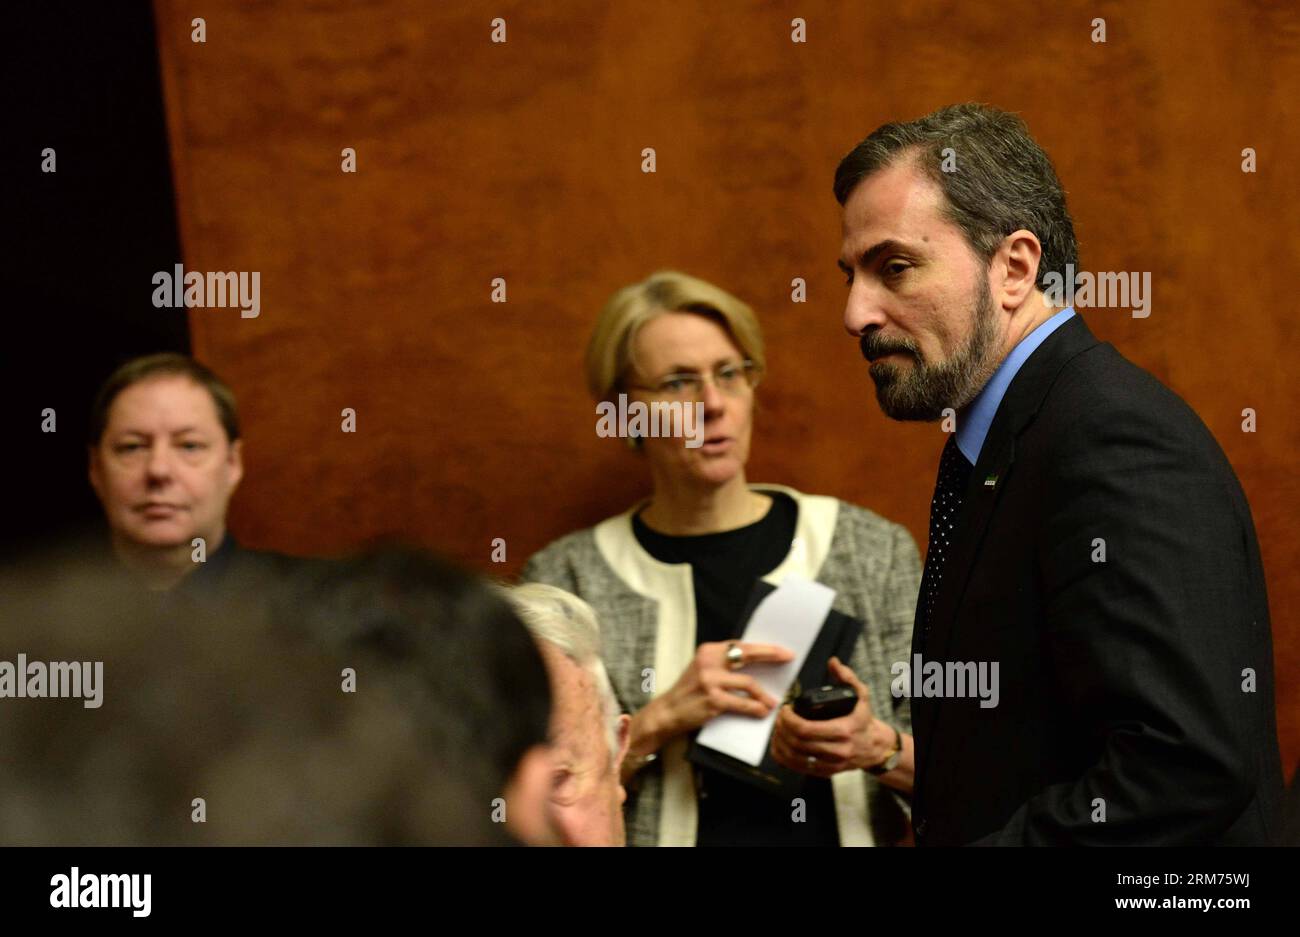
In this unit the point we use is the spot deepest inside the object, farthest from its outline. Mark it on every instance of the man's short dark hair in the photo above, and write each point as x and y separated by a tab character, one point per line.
164	364
475	674
1003	180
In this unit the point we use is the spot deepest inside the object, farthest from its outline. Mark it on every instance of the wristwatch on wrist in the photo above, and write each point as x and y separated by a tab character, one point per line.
892	759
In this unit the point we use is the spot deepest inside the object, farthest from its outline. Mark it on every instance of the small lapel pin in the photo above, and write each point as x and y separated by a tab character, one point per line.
990	481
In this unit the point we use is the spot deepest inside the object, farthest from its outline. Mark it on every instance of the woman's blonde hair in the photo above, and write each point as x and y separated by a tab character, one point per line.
609	353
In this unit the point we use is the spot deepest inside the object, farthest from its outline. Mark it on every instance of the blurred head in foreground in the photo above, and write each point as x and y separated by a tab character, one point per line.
396	701
472	672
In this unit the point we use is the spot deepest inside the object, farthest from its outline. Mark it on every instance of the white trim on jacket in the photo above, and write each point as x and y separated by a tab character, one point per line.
671	587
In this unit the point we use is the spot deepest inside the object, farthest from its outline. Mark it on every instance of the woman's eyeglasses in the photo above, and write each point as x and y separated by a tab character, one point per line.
730	378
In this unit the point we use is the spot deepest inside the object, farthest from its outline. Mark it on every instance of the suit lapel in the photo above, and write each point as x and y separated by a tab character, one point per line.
988	480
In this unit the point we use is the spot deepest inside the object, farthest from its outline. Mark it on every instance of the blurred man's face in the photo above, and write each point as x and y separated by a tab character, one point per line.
164	470
920	301
586	795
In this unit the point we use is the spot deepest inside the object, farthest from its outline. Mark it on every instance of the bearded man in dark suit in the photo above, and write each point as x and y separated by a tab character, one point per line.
1090	546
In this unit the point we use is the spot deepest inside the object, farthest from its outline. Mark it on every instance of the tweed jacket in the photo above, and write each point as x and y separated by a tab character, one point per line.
646	610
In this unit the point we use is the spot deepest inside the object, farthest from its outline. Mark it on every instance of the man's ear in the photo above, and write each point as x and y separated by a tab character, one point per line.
624	740
235	457
95	471
1017	277
528	797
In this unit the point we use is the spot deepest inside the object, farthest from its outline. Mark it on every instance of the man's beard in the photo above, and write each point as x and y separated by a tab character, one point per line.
924	392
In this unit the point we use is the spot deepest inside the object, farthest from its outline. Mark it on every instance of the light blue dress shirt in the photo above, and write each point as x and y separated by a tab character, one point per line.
973	427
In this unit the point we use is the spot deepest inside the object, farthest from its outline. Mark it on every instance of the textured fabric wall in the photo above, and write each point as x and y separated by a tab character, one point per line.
523	160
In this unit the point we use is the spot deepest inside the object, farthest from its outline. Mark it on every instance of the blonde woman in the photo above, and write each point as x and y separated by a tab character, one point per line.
669	579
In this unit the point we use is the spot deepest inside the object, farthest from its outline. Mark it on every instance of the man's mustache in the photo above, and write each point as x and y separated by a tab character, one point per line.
873	346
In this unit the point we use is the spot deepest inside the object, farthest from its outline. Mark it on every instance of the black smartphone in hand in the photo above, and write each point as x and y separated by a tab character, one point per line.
826	702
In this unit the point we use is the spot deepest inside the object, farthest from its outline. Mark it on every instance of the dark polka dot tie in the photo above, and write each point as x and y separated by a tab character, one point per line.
949	490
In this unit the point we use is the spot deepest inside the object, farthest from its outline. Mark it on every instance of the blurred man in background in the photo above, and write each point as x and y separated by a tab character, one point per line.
165	458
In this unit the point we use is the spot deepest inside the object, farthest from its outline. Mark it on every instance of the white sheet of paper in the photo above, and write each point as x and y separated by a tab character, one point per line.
791	615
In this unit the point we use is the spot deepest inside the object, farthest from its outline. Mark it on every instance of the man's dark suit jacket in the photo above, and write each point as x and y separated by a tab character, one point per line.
1121	682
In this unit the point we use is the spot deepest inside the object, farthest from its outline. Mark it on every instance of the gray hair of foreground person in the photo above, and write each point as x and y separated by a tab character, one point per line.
568	623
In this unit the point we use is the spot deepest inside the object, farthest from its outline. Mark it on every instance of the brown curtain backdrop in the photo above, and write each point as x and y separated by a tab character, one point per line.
523	160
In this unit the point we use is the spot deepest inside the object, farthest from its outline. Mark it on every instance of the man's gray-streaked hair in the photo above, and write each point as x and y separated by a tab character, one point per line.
1003	180
568	623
